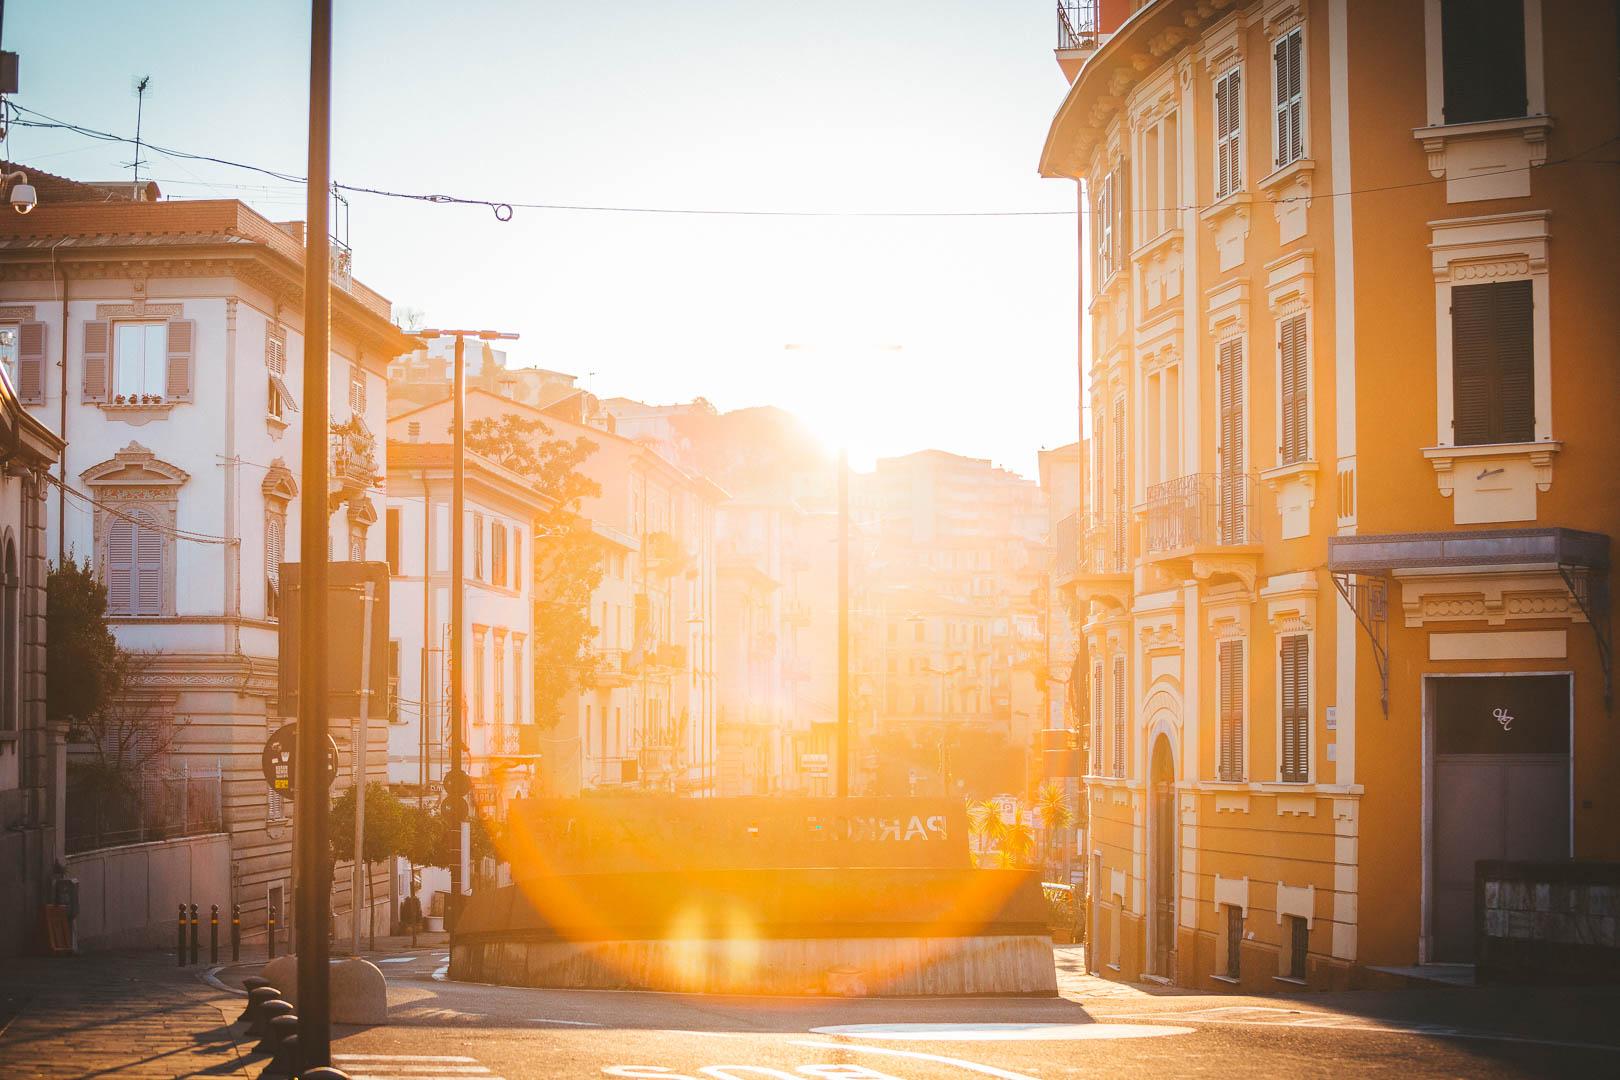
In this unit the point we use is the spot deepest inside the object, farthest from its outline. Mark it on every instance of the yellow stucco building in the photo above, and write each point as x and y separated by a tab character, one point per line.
1351	363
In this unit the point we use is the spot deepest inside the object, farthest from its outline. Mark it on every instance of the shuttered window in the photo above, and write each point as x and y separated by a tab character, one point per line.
478	676
1233	490
1482	43
1294	405
498	669
95	361
1105	228
1293	661
1234	941
1285	64
181	359
1493	384
478	547
357	390
391	539
1118	524
275	552
1229	133
517	677
1119	716
134	566
1229	676
28	372
1098	743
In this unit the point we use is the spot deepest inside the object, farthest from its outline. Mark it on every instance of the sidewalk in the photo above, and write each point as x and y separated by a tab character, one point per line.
117	1014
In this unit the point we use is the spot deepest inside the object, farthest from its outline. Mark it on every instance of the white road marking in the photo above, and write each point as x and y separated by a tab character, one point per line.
570	1023
396	959
405	1057
412	1067
971	1032
917	1055
1354	1023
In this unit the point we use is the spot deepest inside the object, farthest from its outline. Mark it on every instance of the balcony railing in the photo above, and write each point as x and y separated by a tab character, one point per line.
1077	24
1202	510
516	740
1105	546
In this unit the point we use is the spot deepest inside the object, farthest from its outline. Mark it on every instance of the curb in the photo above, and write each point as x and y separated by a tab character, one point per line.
211	978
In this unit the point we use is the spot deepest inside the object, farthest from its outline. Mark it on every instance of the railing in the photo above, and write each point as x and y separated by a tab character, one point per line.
516	740
155	805
1202	509
1066	548
1077	24
1105	547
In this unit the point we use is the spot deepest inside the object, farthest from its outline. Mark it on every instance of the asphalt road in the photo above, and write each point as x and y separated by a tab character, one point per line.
444	1029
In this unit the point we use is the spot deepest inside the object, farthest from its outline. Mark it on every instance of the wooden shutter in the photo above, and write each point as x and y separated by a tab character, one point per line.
1295	401
1223	179
1296	91
1286	73
97	359
31	363
1230	678
1120	713
1232	490
148	570
1293	658
182	352
1098	740
1228	133
275	352
1117	562
1482	46
120	566
275	527
1492	363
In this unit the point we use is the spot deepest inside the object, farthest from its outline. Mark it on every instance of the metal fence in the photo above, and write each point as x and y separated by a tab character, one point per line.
156	805
1202	509
1077	24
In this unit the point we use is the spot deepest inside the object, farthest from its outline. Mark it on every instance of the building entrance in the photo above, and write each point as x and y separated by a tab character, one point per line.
1164	859
1501	776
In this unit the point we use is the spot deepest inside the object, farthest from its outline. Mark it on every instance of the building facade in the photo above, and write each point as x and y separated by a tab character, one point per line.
170	363
1344	557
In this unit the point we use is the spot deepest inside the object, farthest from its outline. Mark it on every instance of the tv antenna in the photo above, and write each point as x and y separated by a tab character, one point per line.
142	84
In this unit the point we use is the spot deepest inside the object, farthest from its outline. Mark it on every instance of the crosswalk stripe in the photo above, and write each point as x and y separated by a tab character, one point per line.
406	1057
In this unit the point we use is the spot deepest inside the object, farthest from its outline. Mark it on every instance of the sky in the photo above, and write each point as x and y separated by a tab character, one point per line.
886	335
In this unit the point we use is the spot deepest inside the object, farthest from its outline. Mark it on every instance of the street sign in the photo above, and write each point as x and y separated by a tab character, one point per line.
280	758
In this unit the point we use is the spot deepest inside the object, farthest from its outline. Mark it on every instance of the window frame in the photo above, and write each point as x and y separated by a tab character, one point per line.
115	351
1233	138
1301	640
1305	434
1241	704
1300	120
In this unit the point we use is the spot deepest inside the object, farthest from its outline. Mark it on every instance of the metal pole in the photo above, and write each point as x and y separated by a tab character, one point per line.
458	511
357	879
843	624
313	897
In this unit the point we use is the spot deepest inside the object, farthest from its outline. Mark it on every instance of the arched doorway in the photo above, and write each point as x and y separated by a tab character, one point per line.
1162	839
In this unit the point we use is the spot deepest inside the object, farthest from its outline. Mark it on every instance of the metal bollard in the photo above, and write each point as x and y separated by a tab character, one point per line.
180	940
236	932
213	934
193	933
270	926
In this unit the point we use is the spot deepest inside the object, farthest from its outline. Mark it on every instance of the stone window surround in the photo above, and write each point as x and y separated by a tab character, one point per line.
1291	612
1291	291
1227	611
1439	138
1228	306
1496	247
1282	17
135	479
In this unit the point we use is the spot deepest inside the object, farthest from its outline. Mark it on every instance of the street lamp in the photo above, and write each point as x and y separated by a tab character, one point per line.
456	782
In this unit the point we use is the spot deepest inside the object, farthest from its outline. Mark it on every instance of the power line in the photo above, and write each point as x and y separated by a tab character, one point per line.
142	522
503	209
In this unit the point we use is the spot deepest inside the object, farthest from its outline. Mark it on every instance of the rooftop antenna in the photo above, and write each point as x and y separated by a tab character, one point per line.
142	83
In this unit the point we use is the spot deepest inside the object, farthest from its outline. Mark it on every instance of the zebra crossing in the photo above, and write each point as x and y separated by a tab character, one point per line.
412	1067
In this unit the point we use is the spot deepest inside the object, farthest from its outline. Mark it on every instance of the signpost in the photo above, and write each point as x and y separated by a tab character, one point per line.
280	760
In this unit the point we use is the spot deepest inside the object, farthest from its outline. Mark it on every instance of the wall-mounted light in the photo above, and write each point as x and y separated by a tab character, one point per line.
23	196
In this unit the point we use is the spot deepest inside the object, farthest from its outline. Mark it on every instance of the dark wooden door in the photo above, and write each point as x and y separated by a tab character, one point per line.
1164	860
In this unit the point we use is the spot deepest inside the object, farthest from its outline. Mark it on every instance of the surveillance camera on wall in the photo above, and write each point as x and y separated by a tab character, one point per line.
23	198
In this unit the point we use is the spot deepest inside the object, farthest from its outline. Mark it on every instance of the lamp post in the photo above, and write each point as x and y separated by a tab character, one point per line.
456	782
842	773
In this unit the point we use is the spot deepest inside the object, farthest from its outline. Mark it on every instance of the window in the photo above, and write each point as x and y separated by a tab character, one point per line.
497	553
1229	133
135	556
478	547
1229	676
1119	716
498	669
1233	492
279	396
1299	940
140	361
1482	42
517	559
357	544
1293	661
1295	386
918	629
1160	180
1234	941
1098	718
1492	363
478	675
517	678
1107	233
413	431
391	539
275	551
1119	524
1285	65
22	359
357	390
393	681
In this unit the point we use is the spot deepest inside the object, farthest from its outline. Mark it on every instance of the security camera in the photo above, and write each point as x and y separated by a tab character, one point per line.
23	198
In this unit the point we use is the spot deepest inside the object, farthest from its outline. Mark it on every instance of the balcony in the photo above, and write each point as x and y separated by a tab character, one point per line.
669	656
515	741
1078	36
1103	572
614	667
1205	525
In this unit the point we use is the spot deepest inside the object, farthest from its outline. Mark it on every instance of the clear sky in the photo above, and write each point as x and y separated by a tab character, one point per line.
950	333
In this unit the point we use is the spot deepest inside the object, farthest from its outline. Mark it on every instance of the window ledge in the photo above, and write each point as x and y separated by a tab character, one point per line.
1534	128
1230	980
1538	454
1290	980
1486	159
1168	240
1215	211
1298	470
137	413
1299	168
276	424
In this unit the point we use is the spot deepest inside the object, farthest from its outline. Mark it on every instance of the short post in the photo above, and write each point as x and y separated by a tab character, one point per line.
236	932
193	933
180	939
213	935
270	926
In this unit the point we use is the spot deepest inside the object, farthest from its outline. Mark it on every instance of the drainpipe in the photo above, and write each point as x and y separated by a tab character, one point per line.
62	425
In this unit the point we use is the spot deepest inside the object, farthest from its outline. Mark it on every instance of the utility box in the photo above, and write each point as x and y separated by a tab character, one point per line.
345	621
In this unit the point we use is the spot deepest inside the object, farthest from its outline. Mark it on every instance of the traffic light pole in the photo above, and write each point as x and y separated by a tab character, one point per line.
311	802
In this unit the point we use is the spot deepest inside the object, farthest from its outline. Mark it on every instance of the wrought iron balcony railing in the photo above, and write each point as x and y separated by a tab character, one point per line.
1077	24
1202	510
1105	544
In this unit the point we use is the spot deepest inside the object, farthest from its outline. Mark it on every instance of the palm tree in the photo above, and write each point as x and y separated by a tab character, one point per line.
1016	841
984	821
1053	811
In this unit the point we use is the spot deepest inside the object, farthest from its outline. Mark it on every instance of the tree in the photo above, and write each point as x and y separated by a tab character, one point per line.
1016	841
1053	812
82	660
567	556
388	827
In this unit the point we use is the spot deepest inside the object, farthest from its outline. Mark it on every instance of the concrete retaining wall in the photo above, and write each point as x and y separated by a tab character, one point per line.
128	895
